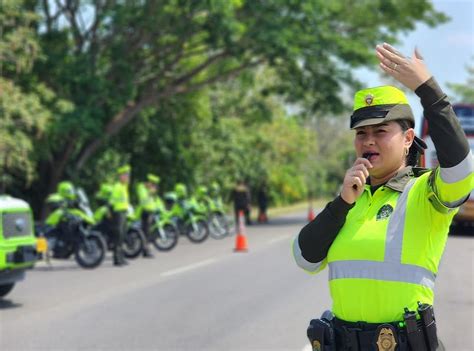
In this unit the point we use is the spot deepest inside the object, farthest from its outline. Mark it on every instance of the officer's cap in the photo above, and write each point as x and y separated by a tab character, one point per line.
180	190
170	196
202	190
153	178
66	189
380	105
124	169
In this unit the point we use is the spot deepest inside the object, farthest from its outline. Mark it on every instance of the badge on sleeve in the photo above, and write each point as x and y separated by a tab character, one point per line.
386	335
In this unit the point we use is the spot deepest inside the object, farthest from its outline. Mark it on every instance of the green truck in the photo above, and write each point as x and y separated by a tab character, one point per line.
18	250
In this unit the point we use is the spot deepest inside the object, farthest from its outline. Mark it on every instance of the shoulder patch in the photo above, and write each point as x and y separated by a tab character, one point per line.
384	212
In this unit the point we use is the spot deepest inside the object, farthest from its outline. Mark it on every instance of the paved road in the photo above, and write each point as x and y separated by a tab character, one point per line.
203	297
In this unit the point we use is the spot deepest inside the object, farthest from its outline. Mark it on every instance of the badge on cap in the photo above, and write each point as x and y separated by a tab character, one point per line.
369	99
386	338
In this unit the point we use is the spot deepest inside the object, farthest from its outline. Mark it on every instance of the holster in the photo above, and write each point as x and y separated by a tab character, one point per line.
321	335
428	323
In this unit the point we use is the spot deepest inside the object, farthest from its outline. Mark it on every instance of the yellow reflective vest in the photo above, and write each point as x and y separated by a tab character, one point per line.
119	198
386	255
146	200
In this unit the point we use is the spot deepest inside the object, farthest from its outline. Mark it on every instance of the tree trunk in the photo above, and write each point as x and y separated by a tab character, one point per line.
178	86
113	127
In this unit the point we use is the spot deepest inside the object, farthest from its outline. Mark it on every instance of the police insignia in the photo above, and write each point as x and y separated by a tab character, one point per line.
386	338
316	345
384	212
369	99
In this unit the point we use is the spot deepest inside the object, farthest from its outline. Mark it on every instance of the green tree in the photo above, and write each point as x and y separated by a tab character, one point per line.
115	59
98	67
465	92
23	113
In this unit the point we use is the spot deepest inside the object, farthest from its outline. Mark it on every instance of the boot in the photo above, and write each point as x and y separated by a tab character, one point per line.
119	259
146	252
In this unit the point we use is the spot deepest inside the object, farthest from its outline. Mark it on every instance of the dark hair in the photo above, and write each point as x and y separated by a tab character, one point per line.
414	153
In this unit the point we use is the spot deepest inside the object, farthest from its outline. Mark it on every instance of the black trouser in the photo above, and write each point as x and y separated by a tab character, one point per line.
119	226
146	219
262	216
146	224
246	214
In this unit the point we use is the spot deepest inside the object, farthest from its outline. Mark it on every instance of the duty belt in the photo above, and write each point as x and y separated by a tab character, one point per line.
361	336
413	334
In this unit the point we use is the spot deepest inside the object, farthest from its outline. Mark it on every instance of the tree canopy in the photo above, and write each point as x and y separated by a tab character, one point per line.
191	89
465	91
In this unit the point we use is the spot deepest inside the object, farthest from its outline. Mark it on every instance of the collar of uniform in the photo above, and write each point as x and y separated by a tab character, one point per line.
402	177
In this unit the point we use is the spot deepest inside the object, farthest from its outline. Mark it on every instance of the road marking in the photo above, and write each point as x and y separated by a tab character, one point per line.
188	268
279	239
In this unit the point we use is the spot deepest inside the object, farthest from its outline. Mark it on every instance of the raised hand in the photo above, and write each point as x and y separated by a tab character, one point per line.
410	71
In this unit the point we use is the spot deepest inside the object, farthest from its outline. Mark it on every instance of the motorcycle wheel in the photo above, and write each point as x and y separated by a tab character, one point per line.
90	250
170	240
199	233
5	289
133	243
218	226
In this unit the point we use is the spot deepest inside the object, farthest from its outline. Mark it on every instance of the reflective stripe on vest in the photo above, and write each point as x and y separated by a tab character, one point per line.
391	269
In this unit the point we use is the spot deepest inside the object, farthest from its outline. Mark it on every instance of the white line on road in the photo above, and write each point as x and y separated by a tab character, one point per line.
188	268
279	239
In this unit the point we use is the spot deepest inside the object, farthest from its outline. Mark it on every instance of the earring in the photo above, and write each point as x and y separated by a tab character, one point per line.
406	151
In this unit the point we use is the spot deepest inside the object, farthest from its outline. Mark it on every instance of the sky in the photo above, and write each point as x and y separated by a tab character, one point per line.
447	49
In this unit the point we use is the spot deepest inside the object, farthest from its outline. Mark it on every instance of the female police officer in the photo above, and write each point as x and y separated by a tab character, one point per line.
383	236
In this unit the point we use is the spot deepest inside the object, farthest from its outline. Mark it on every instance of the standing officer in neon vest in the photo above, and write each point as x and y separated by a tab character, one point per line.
382	238
119	202
147	206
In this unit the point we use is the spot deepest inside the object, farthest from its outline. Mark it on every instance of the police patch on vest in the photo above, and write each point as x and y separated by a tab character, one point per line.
384	212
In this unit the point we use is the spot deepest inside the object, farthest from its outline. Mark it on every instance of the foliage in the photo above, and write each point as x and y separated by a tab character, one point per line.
24	114
465	92
141	81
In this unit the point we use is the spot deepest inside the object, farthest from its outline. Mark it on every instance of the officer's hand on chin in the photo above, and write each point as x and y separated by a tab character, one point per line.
355	179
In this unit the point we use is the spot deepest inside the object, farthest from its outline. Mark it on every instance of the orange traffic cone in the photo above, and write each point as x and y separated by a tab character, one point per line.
241	239
311	214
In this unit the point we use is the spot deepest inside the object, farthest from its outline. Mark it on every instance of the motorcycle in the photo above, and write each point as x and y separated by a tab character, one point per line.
188	218
219	226
134	239
68	232
163	231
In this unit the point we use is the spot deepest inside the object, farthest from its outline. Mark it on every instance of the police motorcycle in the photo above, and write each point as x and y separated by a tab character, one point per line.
134	239
164	232
188	217
68	231
216	219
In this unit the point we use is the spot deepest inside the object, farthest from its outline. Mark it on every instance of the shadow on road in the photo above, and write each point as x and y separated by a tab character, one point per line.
6	304
57	268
